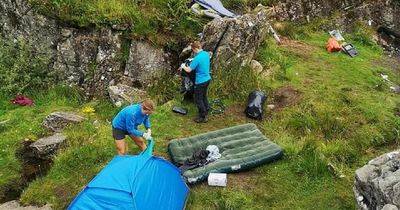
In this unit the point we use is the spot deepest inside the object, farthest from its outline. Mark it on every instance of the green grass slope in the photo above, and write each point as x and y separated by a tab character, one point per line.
342	115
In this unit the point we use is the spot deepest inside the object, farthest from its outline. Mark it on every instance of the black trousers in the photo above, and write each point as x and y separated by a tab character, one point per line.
200	98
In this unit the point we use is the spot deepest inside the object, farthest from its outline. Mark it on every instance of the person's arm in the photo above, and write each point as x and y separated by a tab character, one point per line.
146	123
192	65
130	126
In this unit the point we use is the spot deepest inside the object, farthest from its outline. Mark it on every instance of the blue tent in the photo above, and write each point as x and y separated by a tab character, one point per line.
140	182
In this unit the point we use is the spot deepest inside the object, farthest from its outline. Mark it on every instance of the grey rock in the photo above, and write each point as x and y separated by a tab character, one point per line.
59	120
378	183
122	94
145	63
381	12
14	205
390	207
45	148
235	40
256	66
18	21
88	58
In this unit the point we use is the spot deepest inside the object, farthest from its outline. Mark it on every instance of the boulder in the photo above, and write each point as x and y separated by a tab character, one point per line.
45	148
377	184
235	40
59	120
14	205
145	63
122	94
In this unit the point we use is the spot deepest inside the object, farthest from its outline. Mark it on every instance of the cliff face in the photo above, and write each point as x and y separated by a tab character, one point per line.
88	57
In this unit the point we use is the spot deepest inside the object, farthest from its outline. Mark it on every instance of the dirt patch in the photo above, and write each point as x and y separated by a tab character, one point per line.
236	110
297	47
286	96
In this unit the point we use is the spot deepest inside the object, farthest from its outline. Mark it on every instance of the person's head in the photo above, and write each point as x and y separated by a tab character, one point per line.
148	107
196	46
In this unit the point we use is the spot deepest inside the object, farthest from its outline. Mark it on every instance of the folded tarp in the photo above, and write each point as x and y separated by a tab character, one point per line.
217	6
135	182
242	147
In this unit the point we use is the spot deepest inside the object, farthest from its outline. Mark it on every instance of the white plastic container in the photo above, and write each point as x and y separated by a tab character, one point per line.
217	179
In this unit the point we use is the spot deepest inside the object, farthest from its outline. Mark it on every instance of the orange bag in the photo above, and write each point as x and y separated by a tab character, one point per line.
332	45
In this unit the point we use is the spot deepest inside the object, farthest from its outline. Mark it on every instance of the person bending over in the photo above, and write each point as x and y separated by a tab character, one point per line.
126	122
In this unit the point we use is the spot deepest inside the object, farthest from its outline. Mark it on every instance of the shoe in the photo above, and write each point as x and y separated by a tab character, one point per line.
201	120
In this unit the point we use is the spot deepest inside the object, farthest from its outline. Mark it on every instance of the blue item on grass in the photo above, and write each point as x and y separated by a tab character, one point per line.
136	182
217	6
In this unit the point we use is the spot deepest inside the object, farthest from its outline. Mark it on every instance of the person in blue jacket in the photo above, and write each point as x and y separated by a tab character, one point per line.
126	122
201	66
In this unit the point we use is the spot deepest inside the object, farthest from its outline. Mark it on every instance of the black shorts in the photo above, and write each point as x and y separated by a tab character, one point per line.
118	134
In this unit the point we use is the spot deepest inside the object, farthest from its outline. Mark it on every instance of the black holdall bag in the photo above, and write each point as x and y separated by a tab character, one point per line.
187	84
255	104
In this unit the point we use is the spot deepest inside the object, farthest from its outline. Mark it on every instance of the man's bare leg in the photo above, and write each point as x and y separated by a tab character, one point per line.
139	142
120	146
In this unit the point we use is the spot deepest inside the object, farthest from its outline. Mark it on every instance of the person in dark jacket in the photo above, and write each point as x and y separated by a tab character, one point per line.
201	66
126	122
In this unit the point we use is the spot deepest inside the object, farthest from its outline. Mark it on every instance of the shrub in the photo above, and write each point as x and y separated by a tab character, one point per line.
22	67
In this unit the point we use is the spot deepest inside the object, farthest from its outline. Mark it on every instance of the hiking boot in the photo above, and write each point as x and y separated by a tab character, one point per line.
201	120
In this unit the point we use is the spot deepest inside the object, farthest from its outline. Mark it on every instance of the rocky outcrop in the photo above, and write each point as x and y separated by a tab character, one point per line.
19	22
377	184
235	40
90	58
59	120
14	205
123	94
381	12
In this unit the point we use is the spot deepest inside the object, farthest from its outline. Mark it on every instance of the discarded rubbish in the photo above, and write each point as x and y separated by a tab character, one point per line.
336	34
349	50
217	179
179	110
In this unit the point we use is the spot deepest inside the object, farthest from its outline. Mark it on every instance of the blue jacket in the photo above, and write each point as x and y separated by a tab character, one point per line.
201	66
129	118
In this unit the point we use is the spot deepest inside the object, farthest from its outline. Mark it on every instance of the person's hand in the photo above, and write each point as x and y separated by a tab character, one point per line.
149	131
147	136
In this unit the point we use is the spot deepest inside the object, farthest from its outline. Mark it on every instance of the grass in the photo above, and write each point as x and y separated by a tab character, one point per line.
345	118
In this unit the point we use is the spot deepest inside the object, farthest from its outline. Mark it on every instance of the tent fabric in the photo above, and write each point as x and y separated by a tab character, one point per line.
242	147
217	6
135	182
333	45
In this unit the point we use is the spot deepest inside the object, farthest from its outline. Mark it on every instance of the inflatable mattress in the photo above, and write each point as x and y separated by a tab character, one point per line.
241	147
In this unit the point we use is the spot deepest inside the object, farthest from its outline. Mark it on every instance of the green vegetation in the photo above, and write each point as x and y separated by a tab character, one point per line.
345	117
160	21
22	67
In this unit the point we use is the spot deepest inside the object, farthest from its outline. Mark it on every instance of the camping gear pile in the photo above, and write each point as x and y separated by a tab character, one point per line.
333	44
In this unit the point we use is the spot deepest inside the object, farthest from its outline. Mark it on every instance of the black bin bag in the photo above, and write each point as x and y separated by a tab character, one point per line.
187	84
255	104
